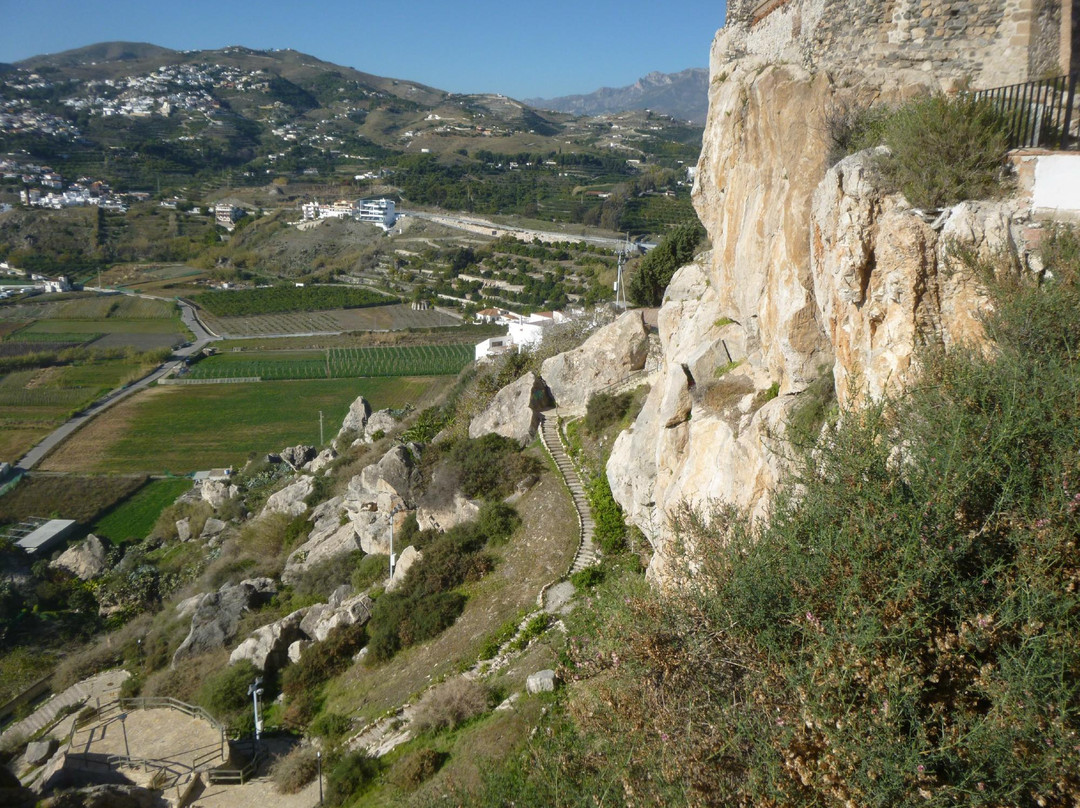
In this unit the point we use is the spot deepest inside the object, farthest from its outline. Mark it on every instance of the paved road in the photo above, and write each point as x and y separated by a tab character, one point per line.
487	228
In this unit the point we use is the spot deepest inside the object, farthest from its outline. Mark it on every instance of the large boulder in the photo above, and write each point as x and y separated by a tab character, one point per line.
395	476
290	499
267	648
323	618
84	560
322	460
217	616
298	456
443	513
607	357
356	419
515	411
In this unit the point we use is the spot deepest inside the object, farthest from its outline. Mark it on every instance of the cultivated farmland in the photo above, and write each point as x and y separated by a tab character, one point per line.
338	363
187	428
279	299
391	317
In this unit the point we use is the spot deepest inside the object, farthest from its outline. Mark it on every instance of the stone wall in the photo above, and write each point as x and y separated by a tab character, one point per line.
986	43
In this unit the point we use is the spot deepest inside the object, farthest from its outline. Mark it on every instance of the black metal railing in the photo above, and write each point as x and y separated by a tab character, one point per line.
1039	113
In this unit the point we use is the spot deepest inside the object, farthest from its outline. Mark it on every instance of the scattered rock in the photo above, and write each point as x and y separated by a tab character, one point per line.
515	411
37	752
212	529
85	560
340	595
217	615
296	650
541	682
183	529
290	499
322	460
409	556
298	456
508	703
381	421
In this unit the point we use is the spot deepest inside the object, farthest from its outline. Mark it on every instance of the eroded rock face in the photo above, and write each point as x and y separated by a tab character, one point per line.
84	560
217	492
515	411
322	460
811	274
217	615
409	556
886	281
298	456
606	357
323	618
380	421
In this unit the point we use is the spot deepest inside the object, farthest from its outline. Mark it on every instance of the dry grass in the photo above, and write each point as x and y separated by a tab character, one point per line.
453	702
84	450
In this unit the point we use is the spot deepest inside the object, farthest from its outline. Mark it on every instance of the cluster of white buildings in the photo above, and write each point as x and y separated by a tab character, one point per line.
18	116
75	196
523	331
379	212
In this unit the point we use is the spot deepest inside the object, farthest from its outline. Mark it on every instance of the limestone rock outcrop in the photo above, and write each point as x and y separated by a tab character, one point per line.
355	419
813	273
217	616
322	460
268	647
298	456
85	560
323	618
515	411
290	499
606	357
380	421
409	556
217	492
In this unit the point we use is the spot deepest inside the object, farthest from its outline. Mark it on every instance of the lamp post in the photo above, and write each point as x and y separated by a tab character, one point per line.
255	690
318	757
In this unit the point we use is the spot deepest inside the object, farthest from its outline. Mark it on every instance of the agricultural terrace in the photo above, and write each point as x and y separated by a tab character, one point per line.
282	299
35	401
391	317
338	363
181	429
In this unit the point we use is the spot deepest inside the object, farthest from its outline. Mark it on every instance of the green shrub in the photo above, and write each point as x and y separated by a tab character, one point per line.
610	530
331	725
411	771
490	465
851	127
605	409
372	568
225	694
350	776
945	150
320	580
536	626
400	620
497	521
647	285
302	682
587	578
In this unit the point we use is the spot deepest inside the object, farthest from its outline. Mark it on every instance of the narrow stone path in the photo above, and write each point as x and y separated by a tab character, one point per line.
587	554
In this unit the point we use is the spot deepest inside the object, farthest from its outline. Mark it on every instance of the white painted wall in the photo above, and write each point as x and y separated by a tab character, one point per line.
1057	184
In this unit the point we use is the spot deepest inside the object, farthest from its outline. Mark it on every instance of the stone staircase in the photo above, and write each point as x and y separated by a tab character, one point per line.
587	554
87	690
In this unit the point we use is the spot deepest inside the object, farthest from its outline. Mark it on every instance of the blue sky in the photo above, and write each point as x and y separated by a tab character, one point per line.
521	49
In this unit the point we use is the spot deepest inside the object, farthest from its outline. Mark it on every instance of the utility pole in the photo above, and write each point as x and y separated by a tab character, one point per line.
320	428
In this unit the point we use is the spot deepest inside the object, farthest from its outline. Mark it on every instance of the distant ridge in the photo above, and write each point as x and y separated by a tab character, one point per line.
100	52
683	95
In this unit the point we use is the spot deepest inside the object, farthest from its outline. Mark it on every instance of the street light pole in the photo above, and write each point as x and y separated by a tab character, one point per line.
393	512
255	690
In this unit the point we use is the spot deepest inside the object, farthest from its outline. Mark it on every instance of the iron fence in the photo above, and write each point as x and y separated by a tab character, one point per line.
1039	113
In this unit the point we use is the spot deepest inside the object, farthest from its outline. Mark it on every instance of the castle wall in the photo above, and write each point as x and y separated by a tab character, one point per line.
986	43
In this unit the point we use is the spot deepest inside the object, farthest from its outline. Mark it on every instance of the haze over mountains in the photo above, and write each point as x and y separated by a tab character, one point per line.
682	95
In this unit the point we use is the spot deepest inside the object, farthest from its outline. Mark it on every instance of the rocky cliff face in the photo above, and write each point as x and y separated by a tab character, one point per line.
811	272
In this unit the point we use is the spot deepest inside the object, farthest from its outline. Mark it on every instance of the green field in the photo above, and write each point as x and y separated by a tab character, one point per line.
280	299
78	497
187	428
338	363
106	326
34	402
134	518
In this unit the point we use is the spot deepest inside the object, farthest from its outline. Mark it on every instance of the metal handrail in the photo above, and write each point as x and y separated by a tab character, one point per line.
1039	113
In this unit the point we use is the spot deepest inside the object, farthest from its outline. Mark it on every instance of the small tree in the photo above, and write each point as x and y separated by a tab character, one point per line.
647	285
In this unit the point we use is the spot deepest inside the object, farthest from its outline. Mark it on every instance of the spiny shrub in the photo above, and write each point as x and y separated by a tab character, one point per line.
490	465
303	681
295	770
225	694
414	769
945	150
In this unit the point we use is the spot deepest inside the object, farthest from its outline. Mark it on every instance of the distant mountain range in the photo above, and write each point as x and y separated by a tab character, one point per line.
682	95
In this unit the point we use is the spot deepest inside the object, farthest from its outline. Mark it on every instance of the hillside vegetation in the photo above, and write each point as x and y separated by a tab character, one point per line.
903	632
